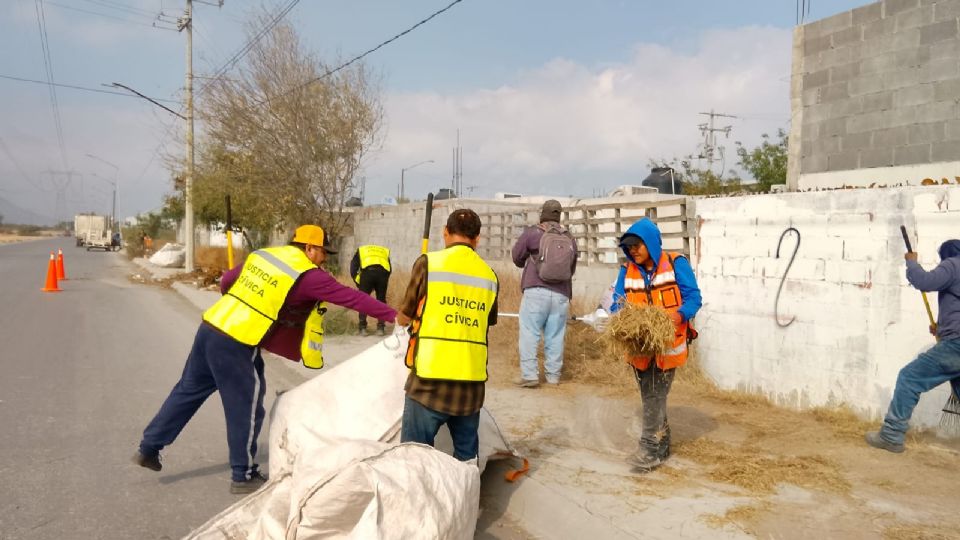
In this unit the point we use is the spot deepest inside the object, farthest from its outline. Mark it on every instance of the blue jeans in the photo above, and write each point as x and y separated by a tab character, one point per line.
542	311
421	425
931	369
216	363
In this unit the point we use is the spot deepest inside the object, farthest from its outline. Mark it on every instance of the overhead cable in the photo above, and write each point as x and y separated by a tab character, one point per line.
362	55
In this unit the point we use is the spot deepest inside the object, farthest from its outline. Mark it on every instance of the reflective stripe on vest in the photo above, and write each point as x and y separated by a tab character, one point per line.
311	347
248	310
664	293
450	330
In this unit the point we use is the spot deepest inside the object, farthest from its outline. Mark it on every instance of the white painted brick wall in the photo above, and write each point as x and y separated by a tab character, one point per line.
858	322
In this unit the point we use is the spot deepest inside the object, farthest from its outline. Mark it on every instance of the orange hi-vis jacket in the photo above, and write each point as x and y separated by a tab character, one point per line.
664	293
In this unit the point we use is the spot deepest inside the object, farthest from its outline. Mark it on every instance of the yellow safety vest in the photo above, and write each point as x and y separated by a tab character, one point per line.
311	347
371	255
248	310
449	340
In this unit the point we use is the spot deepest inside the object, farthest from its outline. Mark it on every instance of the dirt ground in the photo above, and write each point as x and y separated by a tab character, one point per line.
802	474
7	238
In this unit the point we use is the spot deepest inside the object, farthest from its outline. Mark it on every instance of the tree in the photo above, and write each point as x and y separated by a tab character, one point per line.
701	181
767	163
284	148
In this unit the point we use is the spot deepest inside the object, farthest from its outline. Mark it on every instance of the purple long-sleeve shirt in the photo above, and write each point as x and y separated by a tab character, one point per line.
313	286
524	251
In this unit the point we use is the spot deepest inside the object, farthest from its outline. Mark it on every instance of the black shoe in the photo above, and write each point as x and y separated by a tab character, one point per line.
255	482
644	461
149	462
362	332
875	440
381	332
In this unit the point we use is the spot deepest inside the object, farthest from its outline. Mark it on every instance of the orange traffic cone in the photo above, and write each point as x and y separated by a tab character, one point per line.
51	285
61	270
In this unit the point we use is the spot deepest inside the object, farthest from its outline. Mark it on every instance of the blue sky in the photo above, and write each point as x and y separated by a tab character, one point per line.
552	97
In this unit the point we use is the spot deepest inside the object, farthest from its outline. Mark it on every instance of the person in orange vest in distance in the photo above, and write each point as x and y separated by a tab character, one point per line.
666	280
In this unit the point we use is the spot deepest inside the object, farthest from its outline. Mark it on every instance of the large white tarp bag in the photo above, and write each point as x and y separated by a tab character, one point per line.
337	470
170	256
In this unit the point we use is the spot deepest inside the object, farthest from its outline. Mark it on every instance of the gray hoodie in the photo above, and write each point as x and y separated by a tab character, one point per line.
945	279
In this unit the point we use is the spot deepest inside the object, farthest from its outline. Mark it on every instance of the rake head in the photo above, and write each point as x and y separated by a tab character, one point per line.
950	419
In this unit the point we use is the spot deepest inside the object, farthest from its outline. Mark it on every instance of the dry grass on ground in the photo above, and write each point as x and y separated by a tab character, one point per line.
758	471
737	515
906	531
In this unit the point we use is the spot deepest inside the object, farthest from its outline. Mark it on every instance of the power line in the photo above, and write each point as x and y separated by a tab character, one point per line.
250	44
122	7
76	87
48	64
16	164
108	16
217	74
361	56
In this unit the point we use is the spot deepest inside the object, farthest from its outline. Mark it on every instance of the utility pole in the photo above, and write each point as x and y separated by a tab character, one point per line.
61	181
709	149
186	25
456	183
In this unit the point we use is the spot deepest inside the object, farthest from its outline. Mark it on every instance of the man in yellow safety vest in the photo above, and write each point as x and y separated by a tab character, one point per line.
275	300
370	268
452	301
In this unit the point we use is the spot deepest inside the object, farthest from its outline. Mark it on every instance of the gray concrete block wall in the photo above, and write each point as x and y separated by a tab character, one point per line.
876	86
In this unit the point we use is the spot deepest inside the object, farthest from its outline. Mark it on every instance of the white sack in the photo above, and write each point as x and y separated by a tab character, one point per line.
170	256
336	470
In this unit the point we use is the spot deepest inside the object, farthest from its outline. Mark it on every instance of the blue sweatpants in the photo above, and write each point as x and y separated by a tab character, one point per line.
216	362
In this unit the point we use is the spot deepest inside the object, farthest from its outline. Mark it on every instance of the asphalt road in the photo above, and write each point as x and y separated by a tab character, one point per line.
83	371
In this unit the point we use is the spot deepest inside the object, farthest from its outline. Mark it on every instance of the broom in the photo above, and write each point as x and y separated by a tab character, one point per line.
950	419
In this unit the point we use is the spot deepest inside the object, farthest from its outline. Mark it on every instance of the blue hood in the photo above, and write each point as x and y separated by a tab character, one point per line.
950	248
650	234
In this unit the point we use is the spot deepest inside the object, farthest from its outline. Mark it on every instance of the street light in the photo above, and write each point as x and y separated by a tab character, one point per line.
116	184
405	169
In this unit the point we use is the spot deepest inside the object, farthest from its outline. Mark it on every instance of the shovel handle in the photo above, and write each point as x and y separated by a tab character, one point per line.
926	302
906	238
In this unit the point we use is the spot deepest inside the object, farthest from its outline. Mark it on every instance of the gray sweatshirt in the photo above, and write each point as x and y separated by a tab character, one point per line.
945	279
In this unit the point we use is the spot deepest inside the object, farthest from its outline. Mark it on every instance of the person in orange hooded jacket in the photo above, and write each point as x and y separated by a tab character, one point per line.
666	280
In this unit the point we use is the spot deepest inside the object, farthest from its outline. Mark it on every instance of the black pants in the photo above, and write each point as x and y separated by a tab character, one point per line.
654	386
374	279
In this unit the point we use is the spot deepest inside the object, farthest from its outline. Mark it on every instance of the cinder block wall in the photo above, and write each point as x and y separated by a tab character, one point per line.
877	86
858	321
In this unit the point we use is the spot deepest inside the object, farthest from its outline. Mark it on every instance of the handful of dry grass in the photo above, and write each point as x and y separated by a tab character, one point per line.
638	331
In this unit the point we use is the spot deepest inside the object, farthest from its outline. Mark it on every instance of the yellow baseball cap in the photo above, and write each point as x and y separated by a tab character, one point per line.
313	235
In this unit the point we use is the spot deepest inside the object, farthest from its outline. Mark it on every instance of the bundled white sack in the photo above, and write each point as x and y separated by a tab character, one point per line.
336	470
170	256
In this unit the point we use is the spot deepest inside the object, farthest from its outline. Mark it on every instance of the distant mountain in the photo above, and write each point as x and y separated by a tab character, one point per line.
14	214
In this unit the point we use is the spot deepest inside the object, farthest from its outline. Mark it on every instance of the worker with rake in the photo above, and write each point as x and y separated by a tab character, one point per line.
654	277
937	365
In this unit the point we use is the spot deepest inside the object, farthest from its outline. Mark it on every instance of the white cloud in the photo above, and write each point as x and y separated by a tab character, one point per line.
566	128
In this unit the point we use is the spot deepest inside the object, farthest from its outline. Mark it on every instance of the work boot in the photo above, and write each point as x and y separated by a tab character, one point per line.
255	482
362	332
644	460
526	383
149	462
875	440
